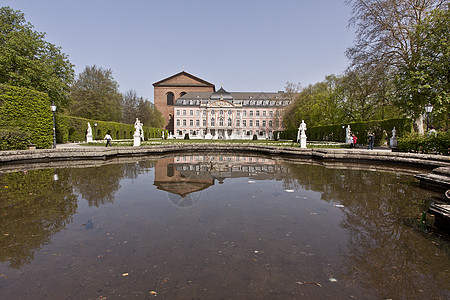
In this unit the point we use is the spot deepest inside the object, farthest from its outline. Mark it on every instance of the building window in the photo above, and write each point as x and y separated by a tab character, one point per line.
221	122
191	112
251	123
170	97
204	122
221	112
184	112
197	123
178	112
229	112
270	124
251	113
237	123
264	113
184	122
197	113
229	121
270	113
204	112
257	123
191	123
238	113
178	122
264	124
213	122
244	123
257	113
244	113
212	112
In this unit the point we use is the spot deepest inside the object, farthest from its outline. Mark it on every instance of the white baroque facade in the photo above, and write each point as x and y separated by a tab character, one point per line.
224	115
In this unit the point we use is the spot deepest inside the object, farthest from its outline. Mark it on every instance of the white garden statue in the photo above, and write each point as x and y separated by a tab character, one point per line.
138	133
89	134
301	135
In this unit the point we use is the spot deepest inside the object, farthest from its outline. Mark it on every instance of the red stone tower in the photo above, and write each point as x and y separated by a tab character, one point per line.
166	92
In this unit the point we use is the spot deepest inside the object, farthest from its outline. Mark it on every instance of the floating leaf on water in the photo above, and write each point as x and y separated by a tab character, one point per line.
339	205
125	274
332	279
289	191
251	181
153	293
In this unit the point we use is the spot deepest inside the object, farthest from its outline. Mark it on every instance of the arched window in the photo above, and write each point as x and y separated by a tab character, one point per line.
229	121
182	94
213	122
170	97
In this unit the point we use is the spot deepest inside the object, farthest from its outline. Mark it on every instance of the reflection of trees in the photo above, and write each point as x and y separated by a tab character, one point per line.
99	184
382	253
33	207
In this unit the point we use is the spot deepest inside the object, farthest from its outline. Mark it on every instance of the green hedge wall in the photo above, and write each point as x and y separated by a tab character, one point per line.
70	128
27	111
336	133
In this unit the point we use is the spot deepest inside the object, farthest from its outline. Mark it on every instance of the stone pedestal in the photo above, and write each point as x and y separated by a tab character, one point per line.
303	141
137	140
393	142
89	138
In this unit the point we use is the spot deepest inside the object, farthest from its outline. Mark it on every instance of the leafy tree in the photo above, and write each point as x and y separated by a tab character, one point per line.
429	77
95	95
149	114
385	39
27	60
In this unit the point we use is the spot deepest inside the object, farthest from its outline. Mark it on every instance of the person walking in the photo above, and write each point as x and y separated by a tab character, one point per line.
370	140
108	139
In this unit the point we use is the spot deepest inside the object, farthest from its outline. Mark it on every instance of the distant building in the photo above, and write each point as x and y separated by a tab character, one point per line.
204	113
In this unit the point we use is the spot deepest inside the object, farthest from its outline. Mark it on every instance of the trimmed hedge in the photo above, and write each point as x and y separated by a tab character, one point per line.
25	111
336	133
70	128
431	144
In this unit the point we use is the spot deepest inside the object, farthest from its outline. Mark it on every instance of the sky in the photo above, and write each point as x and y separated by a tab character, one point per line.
244	45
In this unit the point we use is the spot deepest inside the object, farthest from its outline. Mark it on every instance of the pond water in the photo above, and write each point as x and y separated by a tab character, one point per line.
223	226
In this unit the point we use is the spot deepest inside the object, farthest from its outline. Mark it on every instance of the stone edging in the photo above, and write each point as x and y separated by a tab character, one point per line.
80	153
438	180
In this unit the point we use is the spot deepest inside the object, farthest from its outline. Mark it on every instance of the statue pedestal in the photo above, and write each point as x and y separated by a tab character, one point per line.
303	141
89	138
136	140
393	142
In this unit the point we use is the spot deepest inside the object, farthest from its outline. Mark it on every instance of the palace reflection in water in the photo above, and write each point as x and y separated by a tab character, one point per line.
251	227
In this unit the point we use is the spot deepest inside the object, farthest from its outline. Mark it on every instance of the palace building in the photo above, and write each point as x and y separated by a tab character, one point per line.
192	106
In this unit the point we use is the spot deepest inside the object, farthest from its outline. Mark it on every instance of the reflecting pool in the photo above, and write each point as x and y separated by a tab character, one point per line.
217	226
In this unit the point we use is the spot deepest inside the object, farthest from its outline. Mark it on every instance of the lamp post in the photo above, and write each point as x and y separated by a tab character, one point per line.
428	110
53	108
95	131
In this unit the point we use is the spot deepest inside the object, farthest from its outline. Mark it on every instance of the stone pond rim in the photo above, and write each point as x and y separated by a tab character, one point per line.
439	178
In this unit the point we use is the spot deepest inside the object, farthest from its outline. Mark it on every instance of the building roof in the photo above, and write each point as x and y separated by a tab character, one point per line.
196	81
221	94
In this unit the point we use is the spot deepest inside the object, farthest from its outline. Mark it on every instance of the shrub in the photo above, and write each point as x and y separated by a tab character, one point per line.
14	140
419	143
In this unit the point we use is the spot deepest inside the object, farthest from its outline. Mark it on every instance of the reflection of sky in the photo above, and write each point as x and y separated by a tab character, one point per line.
369	245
